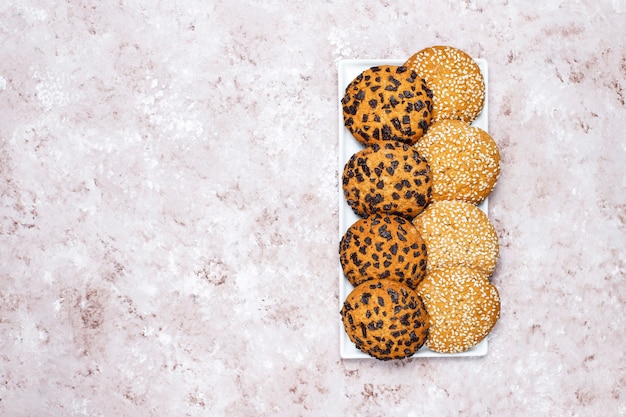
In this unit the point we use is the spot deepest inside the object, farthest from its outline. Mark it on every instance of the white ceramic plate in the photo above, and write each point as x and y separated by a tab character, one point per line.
348	146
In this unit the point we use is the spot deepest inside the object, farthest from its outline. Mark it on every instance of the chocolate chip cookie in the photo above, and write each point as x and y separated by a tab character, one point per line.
385	247
387	177
387	103
385	319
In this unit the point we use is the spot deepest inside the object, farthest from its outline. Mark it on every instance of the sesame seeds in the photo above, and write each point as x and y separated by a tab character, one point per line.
463	307
464	160
467	244
455	79
458	234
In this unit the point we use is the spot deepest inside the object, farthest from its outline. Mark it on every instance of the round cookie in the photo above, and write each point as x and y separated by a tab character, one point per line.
383	246
463	307
458	234
455	79
387	177
385	319
387	103
464	160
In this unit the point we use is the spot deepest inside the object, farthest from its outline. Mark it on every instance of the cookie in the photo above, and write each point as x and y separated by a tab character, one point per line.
387	177
464	159
462	305
385	319
383	246
455	79
458	234
387	103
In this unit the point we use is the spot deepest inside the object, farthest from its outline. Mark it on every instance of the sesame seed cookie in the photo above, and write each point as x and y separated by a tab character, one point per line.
387	177
463	307
383	246
464	159
458	234
455	79
387	103
385	319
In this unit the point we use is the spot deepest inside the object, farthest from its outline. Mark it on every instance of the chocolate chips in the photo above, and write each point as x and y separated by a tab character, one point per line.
390	112
393	294
379	246
384	233
394	84
382	183
365	298
387	179
394	327
387	133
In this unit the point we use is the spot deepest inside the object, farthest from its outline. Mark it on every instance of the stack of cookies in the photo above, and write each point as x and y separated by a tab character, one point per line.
421	254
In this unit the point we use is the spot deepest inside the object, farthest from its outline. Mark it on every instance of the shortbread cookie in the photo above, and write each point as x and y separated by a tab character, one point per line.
383	246
387	103
458	234
387	177
464	160
463	307
385	319
455	79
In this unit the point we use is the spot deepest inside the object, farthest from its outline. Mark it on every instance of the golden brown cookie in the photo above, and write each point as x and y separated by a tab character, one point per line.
387	103
385	319
455	79
458	234
387	177
463	307
464	160
383	246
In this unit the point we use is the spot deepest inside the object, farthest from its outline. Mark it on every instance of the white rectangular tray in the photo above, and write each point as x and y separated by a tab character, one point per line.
348	146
